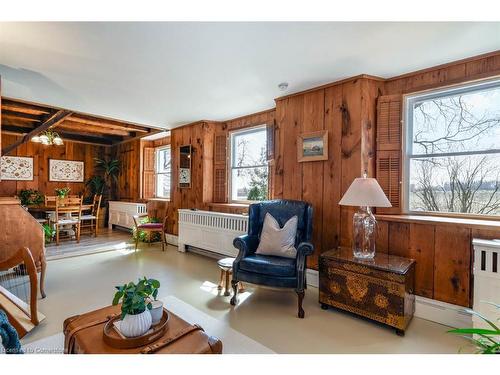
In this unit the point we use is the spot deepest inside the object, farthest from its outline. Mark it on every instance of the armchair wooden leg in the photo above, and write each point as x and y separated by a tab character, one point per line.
300	294
234	299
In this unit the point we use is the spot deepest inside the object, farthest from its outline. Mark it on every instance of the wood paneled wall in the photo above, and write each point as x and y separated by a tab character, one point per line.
443	252
470	69
41	155
128	186
200	136
347	111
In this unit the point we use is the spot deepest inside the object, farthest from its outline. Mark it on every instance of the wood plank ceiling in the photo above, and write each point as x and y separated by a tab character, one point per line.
28	119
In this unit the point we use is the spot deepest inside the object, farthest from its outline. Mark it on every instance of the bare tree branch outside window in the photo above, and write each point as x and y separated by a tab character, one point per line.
455	153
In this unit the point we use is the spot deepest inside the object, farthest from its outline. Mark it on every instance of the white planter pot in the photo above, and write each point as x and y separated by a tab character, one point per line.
156	311
136	325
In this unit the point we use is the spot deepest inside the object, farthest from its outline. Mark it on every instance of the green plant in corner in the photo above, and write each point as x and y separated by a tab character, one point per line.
135	298
30	197
96	184
488	339
110	170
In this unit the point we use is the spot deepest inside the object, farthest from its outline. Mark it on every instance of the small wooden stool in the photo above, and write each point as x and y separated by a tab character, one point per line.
226	270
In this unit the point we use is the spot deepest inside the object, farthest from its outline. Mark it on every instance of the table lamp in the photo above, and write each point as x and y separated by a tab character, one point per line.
364	192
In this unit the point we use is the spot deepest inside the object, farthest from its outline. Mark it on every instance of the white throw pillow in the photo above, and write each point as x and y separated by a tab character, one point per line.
278	241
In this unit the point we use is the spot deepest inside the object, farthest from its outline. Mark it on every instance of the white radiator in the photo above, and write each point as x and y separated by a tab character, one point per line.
121	213
486	280
212	231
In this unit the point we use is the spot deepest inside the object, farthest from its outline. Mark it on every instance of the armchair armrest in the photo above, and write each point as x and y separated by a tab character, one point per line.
246	245
305	249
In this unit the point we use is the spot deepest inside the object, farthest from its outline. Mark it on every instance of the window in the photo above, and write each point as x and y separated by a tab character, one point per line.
249	170
162	171
452	162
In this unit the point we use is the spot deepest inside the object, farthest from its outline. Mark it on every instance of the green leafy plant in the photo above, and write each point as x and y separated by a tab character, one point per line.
136	298
145	236
110	170
96	184
48	232
62	192
488	340
30	197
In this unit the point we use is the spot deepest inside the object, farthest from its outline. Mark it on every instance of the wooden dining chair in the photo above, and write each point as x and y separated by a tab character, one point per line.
50	200
68	213
90	221
149	228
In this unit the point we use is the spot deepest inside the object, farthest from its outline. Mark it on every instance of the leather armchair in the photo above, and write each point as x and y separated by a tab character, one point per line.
272	270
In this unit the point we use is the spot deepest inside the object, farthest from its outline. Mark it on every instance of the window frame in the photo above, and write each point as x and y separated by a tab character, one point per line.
407	135
157	161
231	146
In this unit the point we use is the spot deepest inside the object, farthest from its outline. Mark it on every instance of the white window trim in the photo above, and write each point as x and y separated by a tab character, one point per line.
157	151
230	161
407	133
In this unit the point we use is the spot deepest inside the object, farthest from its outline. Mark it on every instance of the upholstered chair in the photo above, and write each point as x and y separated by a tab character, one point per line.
270	270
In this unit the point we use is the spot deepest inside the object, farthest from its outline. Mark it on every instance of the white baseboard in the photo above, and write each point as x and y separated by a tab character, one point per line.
442	312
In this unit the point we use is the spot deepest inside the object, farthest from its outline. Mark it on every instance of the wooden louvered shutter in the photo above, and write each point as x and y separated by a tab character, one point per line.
220	168
389	145
270	141
148	173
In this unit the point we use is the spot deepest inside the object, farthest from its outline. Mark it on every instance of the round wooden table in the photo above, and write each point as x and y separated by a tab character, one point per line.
226	270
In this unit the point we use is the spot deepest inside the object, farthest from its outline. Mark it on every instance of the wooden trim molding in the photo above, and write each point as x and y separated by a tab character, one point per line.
453	221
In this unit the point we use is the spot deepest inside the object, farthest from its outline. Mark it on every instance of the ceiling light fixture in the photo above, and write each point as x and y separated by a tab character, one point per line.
48	138
283	86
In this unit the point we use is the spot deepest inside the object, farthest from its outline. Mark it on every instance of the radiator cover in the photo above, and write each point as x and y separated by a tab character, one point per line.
212	231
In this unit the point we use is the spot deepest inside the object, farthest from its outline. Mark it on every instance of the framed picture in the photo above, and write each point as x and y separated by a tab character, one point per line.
66	170
16	168
312	146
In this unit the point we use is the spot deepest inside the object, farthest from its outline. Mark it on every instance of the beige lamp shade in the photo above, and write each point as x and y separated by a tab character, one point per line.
365	192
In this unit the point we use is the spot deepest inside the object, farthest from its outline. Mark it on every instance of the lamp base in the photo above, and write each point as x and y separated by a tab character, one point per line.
364	226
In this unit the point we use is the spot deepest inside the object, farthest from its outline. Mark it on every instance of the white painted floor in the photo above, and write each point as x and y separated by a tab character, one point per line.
79	284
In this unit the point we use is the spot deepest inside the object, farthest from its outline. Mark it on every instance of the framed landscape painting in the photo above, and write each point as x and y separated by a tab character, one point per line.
66	170
16	168
312	146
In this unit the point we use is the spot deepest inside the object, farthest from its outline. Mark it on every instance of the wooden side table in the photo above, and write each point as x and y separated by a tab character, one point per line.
380	289
226	270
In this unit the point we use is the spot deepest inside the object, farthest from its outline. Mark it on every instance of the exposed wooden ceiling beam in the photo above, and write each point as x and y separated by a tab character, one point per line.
76	126
6	113
73	137
8	104
107	123
53	120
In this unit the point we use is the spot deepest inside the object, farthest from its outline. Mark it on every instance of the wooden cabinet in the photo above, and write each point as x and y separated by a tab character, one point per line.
380	289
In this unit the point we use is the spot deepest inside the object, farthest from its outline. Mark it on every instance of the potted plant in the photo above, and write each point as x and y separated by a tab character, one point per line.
62	192
485	340
156	306
135	300
30	197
